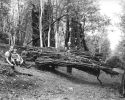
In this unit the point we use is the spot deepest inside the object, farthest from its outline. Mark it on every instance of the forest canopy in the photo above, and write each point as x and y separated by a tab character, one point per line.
77	24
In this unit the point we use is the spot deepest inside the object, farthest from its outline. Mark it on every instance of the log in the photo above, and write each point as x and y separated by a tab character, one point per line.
75	58
69	59
69	69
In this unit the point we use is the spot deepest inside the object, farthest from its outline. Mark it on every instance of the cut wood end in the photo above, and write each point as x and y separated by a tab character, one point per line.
118	70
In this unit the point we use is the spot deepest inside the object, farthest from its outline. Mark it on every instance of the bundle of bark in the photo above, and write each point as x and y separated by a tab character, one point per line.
75	59
115	62
46	57
31	53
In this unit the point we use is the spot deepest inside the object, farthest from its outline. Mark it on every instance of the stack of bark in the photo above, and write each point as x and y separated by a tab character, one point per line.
71	58
46	57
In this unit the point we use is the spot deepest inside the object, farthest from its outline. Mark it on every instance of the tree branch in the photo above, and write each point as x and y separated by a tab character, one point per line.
58	19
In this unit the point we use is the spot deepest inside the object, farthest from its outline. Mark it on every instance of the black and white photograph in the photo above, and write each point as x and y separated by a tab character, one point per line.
62	49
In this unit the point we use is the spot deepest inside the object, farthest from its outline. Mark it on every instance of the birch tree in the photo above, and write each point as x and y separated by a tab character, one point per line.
50	14
40	22
14	20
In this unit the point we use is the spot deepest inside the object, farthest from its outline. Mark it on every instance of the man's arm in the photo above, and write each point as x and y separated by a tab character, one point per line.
7	54
9	61
21	60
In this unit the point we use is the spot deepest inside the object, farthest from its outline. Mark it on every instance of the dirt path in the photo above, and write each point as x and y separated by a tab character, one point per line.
58	85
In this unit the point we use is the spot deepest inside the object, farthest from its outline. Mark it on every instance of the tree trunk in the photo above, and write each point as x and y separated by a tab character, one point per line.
56	39
40	22
73	32
35	22
1	17
49	35
18	34
12	40
67	35
56	34
12	37
123	85
24	34
56	29
50	15
78	45
83	42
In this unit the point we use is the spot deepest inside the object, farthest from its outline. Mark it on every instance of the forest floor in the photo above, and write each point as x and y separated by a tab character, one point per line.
58	85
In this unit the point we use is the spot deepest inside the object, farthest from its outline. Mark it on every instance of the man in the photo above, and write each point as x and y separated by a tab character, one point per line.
8	56
16	59
13	58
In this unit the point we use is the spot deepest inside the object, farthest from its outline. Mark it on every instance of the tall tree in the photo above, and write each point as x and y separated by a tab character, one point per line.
4	10
58	13
85	12
40	22
35	25
50	19
67	34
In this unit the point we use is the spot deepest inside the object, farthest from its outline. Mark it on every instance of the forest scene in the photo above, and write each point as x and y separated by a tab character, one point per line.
67	50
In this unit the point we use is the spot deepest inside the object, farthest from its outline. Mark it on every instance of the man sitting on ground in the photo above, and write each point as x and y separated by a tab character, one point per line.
8	55
16	59
13	58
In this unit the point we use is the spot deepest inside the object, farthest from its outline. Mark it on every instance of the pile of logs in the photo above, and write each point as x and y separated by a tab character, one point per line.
74	59
50	57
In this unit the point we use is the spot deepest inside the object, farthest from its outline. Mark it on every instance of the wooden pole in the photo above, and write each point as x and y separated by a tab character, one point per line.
69	69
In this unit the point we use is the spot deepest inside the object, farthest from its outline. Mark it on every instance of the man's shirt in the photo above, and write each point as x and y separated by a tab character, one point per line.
15	56
7	54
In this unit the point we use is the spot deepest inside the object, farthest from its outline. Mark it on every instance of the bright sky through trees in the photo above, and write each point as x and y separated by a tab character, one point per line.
112	9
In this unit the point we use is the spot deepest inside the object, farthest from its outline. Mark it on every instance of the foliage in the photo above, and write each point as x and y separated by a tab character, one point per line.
115	62
105	48
86	13
99	43
4	25
83	16
120	51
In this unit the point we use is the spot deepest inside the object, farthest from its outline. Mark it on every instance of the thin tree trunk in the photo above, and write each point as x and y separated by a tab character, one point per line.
56	30
9	40
49	35
1	15
19	23
73	32
50	15
123	84
67	35
56	34
78	37
83	36
40	23
24	34
12	40
56	39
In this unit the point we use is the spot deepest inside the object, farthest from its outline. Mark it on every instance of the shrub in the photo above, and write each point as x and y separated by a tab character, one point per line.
115	62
